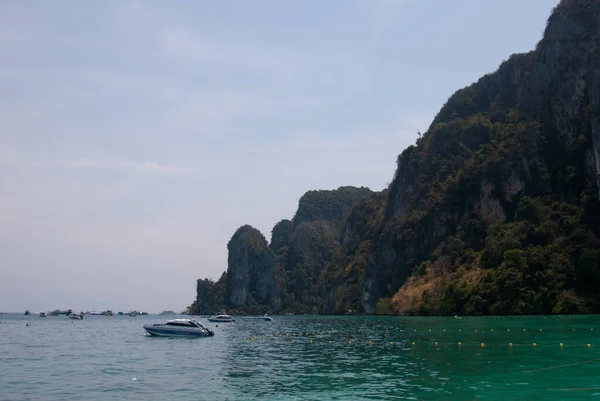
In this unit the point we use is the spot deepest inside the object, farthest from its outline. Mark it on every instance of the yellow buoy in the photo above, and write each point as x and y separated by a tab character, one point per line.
391	343
482	345
507	329
292	340
329	342
475	330
589	345
412	343
310	341
444	329
534	344
510	345
435	343
459	329
349	342
561	345
459	343
492	330
370	342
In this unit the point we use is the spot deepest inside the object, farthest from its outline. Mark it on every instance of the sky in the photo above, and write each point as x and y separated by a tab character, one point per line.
137	136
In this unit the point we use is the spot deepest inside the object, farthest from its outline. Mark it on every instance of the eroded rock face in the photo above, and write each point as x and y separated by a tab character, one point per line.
563	83
251	272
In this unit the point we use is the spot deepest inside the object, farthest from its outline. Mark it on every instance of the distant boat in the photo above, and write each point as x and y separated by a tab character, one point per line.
57	312
221	319
43	314
27	312
265	317
166	312
76	316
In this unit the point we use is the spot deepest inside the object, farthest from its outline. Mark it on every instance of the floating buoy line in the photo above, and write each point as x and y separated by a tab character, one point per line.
324	337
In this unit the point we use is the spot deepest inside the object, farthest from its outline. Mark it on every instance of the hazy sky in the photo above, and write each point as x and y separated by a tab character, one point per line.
137	136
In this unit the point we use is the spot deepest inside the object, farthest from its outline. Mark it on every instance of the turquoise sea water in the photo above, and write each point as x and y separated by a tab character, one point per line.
303	358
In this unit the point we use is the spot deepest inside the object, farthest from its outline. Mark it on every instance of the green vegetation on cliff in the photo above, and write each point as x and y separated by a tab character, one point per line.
493	211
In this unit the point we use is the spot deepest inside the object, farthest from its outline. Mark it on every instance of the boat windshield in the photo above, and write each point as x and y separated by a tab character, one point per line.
188	323
197	324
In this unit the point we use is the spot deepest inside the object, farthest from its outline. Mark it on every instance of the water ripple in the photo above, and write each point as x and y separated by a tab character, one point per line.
301	358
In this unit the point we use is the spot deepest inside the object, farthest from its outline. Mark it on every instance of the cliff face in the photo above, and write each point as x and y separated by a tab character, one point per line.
284	275
473	220
563	85
251	272
495	209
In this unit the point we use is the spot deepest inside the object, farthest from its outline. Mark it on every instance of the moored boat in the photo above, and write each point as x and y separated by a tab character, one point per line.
76	316
179	328
265	317
221	319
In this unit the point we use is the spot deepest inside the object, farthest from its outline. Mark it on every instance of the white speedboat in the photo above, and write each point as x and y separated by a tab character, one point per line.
265	317
221	319
76	316
179	328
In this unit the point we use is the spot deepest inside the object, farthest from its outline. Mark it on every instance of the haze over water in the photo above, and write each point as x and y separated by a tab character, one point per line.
341	358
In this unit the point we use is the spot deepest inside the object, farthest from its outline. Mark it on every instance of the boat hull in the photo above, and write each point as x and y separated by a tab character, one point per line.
162	331
221	320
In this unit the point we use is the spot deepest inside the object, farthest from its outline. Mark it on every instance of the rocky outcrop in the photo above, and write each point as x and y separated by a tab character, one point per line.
332	206
281	234
285	275
251	271
494	210
210	296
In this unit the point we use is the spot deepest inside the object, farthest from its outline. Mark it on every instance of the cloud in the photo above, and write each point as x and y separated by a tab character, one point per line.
140	167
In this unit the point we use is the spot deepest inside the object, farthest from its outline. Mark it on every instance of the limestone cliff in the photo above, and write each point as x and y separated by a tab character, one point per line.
495	209
284	275
522	138
251	271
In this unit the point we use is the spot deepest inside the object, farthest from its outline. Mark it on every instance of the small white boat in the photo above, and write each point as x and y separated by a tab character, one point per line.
179	328
76	316
221	319
43	314
265	317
